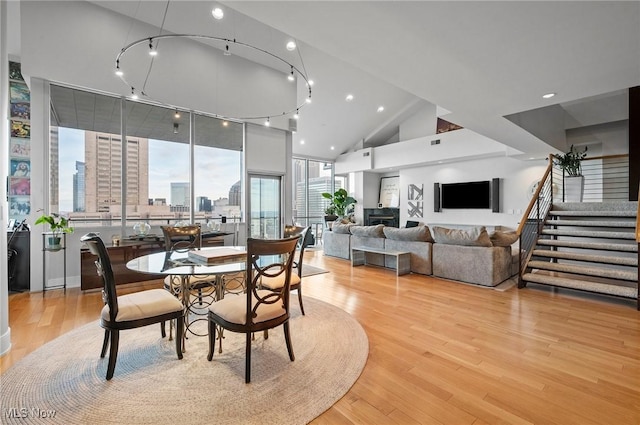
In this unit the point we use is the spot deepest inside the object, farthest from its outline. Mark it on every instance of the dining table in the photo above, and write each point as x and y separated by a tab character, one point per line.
225	264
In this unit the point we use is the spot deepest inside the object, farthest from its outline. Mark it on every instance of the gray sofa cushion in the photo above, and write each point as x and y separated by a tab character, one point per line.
368	231
338	227
499	238
476	236
416	234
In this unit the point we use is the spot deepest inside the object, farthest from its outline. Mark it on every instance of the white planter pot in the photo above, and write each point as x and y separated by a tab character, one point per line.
573	188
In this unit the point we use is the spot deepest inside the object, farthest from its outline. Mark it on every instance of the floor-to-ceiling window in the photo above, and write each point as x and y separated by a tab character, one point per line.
171	174
311	178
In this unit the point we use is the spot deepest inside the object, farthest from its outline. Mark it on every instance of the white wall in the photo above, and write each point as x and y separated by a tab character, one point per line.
515	176
269	151
456	145
423	122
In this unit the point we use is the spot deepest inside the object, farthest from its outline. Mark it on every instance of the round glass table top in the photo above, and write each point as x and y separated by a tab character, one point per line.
180	263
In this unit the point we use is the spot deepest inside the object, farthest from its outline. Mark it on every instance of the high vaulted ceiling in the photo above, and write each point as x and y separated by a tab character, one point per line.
482	61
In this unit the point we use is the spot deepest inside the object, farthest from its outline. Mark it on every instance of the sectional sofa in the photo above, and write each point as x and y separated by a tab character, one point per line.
469	254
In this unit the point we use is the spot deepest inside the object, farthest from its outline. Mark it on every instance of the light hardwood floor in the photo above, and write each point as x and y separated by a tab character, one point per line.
441	352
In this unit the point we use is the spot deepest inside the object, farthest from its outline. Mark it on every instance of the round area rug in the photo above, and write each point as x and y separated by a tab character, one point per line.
63	382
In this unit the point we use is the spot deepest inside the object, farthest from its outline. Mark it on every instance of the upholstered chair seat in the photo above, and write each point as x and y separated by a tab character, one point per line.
234	309
138	305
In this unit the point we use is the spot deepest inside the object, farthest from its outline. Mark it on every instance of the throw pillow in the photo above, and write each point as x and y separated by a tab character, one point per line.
419	233
338	227
476	236
368	231
499	238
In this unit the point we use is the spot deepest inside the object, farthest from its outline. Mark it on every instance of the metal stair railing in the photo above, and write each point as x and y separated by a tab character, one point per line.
638	242
606	178
534	217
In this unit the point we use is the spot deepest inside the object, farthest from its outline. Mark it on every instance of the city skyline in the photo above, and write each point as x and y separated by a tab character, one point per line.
168	162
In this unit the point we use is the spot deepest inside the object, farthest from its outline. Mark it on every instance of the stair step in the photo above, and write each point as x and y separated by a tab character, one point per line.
592	213
602	246
605	259
631	276
590	234
584	285
631	224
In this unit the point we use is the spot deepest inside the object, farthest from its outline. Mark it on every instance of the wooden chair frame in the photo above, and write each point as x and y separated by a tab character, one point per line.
254	297
112	326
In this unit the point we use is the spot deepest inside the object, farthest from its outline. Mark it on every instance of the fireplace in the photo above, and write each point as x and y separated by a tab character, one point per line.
387	216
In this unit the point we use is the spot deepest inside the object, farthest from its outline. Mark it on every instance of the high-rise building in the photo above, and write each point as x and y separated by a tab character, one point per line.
54	194
79	188
235	194
317	203
203	204
180	194
103	171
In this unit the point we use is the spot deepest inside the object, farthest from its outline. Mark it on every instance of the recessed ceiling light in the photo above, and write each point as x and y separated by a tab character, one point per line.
217	13
311	83
380	108
332	147
225	123
119	72
349	98
308	100
302	142
548	95
291	46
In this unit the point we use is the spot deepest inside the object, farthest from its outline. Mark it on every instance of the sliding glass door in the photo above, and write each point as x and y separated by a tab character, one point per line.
265	206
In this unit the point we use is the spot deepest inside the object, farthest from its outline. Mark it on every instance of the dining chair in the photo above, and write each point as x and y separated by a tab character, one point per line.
257	309
130	311
306	239
183	239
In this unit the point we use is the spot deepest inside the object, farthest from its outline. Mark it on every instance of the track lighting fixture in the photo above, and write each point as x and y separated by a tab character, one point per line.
152	51
119	72
152	42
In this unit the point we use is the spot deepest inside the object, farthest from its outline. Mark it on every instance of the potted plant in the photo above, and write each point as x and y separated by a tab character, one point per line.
573	180
57	225
341	203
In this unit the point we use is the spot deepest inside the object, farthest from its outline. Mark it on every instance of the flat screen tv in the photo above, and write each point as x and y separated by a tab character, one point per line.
469	195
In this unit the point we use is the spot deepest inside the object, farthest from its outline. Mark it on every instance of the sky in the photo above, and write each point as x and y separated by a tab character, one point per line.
168	162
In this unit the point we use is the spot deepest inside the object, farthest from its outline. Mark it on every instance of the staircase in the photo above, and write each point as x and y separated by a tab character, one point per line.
588	246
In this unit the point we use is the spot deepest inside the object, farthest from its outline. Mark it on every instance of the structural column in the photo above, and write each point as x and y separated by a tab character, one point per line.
5	331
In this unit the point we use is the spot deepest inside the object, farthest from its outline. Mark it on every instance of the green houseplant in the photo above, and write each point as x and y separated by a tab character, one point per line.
571	162
341	203
57	225
573	180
